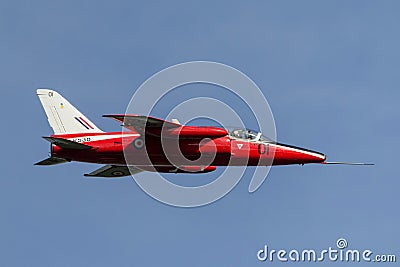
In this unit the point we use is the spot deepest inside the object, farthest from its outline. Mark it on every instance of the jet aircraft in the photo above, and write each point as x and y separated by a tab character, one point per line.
152	144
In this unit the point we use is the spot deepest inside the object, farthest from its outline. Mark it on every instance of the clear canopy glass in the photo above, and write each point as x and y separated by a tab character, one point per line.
248	134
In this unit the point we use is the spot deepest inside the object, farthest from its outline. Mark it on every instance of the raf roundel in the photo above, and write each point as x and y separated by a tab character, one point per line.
138	143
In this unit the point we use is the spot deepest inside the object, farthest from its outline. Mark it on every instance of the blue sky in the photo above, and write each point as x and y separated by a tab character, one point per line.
329	69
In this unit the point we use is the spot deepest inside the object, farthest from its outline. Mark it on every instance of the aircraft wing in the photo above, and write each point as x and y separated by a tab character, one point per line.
152	126
113	171
140	123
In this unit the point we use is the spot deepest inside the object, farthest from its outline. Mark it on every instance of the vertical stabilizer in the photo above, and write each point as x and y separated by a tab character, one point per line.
62	116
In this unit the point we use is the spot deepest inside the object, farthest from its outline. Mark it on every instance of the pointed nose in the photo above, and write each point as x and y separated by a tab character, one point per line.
301	155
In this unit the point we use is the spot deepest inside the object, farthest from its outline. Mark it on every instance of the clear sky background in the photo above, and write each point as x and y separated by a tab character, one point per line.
329	69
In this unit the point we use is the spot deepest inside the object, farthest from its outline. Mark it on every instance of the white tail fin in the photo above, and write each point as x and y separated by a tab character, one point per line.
62	116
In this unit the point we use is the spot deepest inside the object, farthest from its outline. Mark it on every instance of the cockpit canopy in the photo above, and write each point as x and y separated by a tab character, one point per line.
248	134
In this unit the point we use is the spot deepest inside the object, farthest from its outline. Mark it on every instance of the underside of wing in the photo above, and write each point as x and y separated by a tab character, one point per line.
180	169
113	171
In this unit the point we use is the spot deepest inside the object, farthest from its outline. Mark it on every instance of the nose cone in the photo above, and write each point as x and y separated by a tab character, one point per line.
299	155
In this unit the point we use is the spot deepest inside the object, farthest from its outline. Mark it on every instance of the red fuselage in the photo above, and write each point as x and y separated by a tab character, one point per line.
129	148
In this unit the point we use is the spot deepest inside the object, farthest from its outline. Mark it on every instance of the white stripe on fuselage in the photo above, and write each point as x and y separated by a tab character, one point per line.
301	151
93	138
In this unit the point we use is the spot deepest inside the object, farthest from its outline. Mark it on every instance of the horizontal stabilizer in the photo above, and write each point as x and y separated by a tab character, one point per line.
51	161
64	143
113	171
